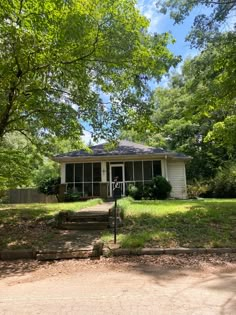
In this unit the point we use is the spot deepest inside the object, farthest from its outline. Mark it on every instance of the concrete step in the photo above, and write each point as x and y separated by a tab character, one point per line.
85	217
84	225
89	251
52	255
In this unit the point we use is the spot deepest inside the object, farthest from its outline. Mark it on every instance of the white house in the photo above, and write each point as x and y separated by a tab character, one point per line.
91	173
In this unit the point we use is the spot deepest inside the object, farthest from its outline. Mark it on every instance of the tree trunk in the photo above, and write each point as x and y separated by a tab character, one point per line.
4	118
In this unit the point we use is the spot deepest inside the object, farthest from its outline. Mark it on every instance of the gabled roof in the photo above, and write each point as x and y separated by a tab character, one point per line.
124	148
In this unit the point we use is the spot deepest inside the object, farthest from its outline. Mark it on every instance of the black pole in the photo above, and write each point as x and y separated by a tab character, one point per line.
115	222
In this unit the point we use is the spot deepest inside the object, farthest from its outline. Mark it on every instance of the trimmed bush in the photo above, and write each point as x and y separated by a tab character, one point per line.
161	188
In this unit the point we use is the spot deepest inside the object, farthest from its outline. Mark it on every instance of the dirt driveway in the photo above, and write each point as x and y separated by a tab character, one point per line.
141	285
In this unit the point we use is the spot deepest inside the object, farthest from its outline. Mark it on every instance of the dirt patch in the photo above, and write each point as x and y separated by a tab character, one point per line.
29	271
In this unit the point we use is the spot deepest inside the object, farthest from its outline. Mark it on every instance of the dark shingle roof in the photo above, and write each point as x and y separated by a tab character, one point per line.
124	147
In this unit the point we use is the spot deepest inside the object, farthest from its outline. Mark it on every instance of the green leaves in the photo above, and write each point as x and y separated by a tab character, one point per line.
57	57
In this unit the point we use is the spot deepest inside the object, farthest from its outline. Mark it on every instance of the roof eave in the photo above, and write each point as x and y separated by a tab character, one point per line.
67	159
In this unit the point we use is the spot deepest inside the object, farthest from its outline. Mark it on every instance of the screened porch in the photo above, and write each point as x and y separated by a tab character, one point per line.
88	178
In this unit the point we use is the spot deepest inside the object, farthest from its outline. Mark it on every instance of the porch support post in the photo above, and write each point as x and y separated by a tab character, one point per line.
63	173
164	170
104	171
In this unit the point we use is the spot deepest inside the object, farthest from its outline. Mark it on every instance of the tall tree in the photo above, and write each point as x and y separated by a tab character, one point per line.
206	26
197	112
58	56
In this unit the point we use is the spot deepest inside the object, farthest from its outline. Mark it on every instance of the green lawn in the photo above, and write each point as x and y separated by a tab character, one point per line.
25	225
174	223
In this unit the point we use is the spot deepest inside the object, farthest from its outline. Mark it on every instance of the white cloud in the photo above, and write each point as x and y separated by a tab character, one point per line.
149	10
86	136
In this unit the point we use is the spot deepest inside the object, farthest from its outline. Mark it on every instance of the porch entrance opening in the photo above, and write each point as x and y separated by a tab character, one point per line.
117	170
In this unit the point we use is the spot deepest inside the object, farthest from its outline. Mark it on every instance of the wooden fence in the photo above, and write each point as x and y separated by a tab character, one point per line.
28	195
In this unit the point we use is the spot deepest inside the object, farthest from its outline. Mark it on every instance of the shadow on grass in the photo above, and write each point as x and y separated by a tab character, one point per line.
14	215
203	225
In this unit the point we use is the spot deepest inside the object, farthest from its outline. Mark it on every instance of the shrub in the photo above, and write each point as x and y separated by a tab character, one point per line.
50	186
198	189
147	191
72	196
135	191
160	188
225	182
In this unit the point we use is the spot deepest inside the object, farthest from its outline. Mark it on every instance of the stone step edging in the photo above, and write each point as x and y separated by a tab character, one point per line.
98	250
164	251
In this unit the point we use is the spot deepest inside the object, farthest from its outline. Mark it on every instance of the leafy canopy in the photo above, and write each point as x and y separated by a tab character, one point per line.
196	113
58	56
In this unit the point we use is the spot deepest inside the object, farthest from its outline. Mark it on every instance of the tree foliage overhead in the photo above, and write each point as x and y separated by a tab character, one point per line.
206	26
57	57
196	113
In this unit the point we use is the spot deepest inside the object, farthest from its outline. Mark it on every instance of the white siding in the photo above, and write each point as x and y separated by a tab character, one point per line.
177	179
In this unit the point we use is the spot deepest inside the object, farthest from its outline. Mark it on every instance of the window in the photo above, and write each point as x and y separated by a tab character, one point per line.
156	168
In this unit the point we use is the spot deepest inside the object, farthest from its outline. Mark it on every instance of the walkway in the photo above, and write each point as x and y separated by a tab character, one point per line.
78	240
104	207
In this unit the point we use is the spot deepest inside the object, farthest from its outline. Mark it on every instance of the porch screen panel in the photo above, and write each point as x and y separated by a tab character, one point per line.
108	171
129	171
88	189
147	169
96	189
156	168
69	173
96	172
138	171
79	173
78	188
88	172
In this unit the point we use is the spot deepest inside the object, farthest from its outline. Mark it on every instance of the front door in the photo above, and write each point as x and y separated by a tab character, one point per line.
117	170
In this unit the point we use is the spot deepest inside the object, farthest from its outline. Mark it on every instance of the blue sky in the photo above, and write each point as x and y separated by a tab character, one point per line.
161	23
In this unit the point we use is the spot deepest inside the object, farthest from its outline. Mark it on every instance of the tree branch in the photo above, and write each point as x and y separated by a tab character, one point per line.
86	55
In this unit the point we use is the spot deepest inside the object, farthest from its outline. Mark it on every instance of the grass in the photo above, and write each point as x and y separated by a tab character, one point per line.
174	223
25	225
